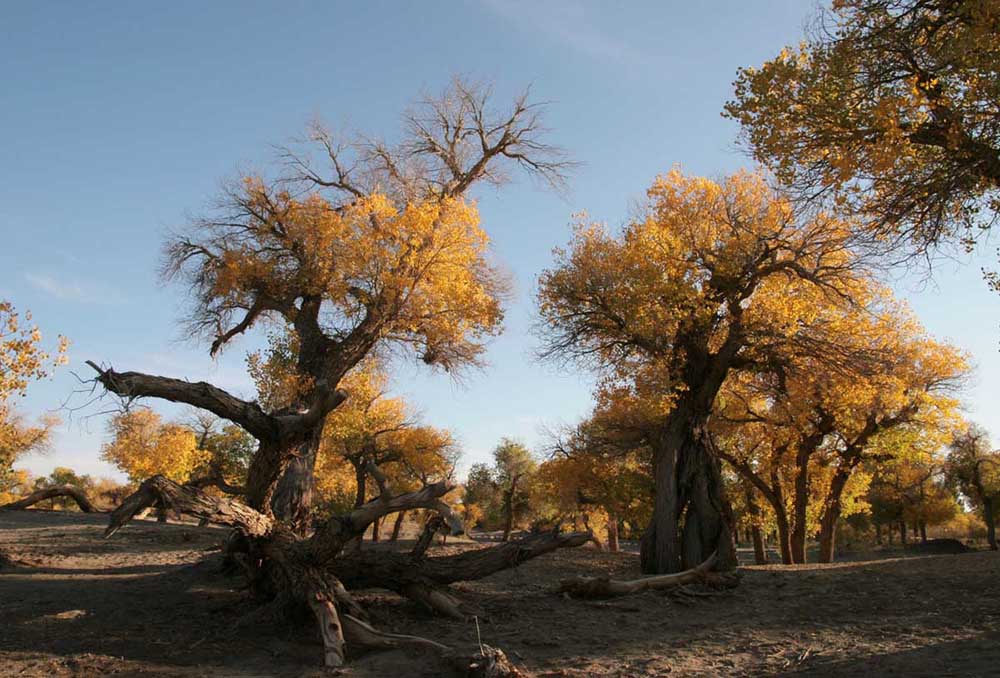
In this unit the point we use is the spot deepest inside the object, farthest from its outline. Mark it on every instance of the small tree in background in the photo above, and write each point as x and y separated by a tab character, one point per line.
514	470
974	468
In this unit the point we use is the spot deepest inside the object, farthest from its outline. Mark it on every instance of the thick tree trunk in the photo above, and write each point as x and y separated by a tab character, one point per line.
397	525
784	535
800	505
691	516
991	529
293	495
759	552
612	531
75	493
508	510
831	513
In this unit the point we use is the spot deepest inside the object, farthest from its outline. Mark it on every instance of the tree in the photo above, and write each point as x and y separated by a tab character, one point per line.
911	490
142	445
975	470
227	451
374	430
22	361
502	492
890	108
599	469
380	250
690	290
481	501
803	429
514	469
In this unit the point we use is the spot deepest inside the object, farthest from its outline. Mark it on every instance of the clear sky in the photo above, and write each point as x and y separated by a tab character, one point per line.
118	120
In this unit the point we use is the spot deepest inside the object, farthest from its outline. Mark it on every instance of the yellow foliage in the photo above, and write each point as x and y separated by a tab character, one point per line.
142	445
891	112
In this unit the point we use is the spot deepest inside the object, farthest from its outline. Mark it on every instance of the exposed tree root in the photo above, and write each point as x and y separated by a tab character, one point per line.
292	573
603	587
75	493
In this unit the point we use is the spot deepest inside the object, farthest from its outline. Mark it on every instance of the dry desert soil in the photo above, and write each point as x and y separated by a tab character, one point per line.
150	602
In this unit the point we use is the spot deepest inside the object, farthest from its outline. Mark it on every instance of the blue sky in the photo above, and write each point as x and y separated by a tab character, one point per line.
118	120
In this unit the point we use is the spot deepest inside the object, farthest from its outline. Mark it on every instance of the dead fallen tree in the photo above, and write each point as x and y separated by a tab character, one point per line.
288	571
604	587
75	493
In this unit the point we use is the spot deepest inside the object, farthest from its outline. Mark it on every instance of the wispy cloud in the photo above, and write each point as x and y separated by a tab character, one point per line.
568	22
74	290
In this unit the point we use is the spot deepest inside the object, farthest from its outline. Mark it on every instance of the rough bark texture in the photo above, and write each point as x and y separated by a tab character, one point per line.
192	501
293	495
691	516
315	573
71	491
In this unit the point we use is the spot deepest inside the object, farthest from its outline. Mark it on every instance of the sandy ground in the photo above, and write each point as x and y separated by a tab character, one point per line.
149	603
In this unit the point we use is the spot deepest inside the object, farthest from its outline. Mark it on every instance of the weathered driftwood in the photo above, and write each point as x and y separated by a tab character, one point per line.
603	587
75	493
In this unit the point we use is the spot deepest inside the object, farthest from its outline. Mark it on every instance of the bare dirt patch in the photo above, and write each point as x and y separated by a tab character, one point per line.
149	602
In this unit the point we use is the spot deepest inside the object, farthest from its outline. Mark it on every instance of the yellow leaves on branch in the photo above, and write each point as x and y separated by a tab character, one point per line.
706	258
142	445
892	110
22	359
418	272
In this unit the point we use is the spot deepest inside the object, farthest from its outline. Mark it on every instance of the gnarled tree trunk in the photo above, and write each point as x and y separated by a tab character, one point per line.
293	495
287	570
691	516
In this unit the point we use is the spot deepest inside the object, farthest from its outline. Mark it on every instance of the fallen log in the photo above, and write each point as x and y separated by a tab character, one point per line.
286	571
604	587
51	492
192	500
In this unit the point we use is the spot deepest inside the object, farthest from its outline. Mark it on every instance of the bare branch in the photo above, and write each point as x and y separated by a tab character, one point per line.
132	385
